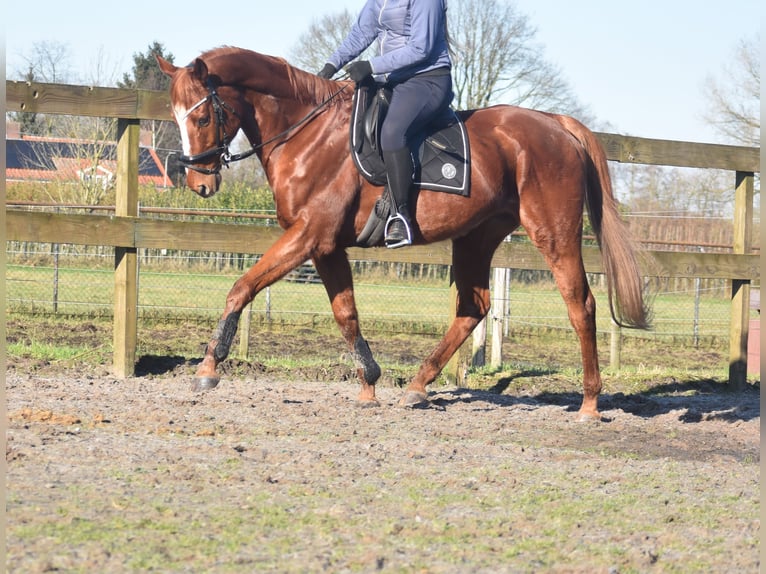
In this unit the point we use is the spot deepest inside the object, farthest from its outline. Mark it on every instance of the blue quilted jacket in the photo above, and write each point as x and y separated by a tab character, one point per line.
411	35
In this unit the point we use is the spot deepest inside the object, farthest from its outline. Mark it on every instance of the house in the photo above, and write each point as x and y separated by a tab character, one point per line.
42	159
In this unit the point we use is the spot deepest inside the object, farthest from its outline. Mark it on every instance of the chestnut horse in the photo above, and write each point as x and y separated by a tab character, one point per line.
528	168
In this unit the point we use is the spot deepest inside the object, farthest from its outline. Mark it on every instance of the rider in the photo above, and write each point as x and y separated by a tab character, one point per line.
414	60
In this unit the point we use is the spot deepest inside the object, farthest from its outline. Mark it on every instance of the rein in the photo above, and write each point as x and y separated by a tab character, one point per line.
221	149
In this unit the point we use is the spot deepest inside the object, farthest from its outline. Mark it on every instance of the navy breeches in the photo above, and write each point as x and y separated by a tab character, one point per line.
414	103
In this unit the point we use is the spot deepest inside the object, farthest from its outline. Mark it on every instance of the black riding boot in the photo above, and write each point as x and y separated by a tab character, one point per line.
399	170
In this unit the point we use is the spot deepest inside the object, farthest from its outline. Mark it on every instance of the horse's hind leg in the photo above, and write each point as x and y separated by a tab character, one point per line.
581	308
335	272
471	259
569	274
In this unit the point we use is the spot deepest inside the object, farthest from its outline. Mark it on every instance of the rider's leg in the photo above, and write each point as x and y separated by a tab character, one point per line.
414	102
399	170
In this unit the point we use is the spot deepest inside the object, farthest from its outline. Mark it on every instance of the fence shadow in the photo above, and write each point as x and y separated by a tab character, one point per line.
694	400
160	364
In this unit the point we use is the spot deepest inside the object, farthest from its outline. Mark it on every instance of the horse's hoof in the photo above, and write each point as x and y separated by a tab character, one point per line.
205	383
414	400
589	418
367	403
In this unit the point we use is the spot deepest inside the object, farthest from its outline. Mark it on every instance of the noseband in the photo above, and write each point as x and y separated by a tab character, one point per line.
222	140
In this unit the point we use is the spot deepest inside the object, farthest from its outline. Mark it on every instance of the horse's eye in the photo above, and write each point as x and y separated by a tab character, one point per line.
203	121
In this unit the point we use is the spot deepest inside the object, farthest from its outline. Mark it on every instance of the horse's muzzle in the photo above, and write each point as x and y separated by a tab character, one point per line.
207	187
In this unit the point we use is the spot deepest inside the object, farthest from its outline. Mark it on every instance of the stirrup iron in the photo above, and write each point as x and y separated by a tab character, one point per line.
400	242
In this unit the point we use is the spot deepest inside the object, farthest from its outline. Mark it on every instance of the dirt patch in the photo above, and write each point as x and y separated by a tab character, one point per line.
268	474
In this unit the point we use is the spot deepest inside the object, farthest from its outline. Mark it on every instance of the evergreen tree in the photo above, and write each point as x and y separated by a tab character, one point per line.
146	75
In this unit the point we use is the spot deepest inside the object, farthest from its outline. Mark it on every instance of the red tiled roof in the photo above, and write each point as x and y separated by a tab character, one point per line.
34	158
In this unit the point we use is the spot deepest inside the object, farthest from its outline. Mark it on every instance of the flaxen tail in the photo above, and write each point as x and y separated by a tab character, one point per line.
618	253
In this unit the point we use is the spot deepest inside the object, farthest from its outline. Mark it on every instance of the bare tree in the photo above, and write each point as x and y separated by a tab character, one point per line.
101	70
83	143
48	61
498	61
321	39
489	39
735	97
45	62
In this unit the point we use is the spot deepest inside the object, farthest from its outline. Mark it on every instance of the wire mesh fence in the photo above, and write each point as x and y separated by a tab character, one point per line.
397	297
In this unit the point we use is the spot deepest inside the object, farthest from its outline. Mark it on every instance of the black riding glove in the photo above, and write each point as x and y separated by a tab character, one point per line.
359	70
327	72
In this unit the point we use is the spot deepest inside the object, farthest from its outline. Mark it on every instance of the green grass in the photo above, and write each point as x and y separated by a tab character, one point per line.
540	336
43	351
394	301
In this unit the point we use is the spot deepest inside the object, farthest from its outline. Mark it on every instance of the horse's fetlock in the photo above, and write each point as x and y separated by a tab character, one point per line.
364	360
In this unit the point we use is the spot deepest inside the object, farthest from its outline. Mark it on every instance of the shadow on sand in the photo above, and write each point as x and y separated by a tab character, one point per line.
694	399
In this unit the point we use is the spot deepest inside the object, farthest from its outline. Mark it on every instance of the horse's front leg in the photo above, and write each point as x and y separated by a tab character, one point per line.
220	343
286	254
335	272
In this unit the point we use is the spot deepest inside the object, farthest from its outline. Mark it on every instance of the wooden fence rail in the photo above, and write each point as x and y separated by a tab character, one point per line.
127	233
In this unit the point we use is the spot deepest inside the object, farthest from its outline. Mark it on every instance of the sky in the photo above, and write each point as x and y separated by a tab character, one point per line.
639	67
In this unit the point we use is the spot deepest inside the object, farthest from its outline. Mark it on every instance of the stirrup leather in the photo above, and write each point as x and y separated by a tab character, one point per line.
400	242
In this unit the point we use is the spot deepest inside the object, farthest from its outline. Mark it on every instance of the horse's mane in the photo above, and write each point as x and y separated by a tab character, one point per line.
304	87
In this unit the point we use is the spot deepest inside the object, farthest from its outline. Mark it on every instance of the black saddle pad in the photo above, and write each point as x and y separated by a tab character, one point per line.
441	152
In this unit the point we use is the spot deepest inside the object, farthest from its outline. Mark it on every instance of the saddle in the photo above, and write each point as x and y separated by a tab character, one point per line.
441	154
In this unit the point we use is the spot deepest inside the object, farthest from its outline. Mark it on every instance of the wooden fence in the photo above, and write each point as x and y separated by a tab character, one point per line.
127	233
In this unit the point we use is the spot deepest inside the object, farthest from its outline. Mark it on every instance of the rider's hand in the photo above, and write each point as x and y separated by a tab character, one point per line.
327	72
359	70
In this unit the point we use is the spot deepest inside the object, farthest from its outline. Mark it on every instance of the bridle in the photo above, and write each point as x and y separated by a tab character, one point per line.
222	139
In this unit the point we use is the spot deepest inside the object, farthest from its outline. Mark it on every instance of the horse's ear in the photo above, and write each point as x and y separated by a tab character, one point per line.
200	70
166	67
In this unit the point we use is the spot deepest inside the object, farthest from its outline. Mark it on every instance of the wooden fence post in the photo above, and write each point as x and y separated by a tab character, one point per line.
125	258
479	352
740	288
615	346
497	313
244	331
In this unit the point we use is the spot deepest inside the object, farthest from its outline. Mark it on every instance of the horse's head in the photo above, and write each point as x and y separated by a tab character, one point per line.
207	122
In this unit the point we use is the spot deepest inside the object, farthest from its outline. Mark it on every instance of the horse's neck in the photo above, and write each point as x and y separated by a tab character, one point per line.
277	126
274	91
273	117
271	80
285	104
281	96
270	127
